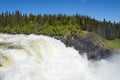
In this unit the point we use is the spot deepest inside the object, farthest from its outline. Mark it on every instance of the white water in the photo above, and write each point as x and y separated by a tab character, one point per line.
32	57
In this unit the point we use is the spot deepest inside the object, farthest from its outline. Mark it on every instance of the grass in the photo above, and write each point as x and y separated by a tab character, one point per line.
114	43
95	39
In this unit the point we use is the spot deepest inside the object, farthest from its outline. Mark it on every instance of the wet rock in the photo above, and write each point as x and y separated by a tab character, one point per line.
95	47
14	47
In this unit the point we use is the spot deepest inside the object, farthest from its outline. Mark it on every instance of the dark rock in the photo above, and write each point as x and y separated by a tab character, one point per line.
89	43
14	47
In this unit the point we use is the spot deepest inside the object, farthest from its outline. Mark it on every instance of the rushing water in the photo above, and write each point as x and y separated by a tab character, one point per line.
33	57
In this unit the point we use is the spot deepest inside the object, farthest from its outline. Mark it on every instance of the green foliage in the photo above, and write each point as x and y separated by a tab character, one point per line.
61	30
114	43
59	24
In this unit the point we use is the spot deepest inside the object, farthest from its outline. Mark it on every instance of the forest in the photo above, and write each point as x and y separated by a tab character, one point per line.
56	24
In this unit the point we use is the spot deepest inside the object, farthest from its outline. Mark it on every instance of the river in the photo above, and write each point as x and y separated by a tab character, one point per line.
38	57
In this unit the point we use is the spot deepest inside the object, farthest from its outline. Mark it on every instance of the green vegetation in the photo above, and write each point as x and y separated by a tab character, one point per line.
56	24
94	39
114	43
61	30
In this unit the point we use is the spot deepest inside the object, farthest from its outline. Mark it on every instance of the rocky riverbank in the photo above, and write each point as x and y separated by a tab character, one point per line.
87	42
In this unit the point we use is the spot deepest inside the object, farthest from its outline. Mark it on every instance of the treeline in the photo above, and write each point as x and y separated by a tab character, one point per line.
56	24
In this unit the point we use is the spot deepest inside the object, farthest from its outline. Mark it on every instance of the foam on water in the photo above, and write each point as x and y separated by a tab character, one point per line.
37	57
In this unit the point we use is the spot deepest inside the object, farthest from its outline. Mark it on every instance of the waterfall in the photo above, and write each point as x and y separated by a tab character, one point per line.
38	57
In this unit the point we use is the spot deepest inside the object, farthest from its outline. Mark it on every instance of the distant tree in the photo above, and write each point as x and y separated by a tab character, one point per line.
16	22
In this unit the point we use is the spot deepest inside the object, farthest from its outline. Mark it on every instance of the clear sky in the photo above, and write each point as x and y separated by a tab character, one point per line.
98	9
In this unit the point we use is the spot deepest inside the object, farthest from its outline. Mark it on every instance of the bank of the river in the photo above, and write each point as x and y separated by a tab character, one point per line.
87	42
114	43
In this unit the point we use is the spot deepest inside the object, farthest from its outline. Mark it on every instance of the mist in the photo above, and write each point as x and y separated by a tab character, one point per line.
38	57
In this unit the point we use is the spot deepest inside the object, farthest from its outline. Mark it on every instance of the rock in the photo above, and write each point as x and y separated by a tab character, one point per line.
87	42
14	47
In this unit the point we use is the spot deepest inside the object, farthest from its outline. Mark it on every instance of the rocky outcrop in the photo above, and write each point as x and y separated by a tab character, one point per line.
87	42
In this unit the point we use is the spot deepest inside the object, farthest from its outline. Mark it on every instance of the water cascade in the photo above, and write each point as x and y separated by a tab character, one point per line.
37	57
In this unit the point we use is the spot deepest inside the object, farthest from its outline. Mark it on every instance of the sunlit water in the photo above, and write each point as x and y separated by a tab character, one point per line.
33	57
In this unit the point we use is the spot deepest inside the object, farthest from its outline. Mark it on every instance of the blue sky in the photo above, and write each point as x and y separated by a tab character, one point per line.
98	9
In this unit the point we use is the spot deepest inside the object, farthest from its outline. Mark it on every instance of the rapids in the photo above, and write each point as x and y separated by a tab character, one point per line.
38	57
